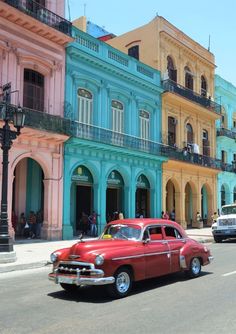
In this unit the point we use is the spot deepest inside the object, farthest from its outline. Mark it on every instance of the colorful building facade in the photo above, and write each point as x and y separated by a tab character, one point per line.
33	35
189	114
225	92
112	160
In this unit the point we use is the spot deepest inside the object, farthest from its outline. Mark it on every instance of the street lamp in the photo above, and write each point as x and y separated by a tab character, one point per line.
6	138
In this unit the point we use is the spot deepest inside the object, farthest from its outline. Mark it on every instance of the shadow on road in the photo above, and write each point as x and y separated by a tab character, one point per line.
98	294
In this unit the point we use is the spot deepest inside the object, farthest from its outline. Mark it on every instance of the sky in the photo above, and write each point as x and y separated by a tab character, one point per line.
197	19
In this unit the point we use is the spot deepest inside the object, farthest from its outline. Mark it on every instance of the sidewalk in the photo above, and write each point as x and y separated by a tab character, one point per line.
36	253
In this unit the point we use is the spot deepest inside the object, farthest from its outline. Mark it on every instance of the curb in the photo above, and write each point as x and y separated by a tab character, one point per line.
24	266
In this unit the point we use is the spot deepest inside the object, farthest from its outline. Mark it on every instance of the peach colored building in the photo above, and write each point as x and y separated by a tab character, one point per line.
33	35
188	115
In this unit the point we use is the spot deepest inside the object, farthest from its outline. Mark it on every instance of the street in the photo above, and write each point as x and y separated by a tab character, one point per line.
174	304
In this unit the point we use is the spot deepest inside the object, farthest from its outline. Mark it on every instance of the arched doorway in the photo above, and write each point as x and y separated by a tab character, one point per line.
142	197
114	194
27	192
188	205
170	196
204	204
82	196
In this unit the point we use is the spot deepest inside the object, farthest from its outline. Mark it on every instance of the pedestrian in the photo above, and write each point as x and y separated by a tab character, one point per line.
166	215
162	214
172	215
199	220
21	224
39	223
214	217
93	223
120	216
32	225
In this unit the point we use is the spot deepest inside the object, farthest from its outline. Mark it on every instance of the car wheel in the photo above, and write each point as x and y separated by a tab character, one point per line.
122	285
69	287
194	268
218	239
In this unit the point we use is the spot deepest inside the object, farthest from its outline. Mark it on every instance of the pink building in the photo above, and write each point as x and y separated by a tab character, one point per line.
33	35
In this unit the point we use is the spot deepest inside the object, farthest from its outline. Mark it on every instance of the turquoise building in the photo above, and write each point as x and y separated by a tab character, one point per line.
225	93
112	161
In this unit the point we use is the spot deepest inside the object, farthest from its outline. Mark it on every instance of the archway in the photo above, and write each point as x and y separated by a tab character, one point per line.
142	197
81	196
27	192
170	196
114	195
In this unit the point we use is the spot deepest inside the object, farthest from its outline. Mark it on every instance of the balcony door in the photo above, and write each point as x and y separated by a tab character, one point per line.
33	95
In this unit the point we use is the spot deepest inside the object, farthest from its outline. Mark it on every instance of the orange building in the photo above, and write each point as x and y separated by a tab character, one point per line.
189	114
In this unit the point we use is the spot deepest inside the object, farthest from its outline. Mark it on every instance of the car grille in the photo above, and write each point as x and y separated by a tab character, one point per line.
72	268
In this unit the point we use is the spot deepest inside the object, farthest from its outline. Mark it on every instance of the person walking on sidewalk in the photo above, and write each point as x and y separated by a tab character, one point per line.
93	223
32	224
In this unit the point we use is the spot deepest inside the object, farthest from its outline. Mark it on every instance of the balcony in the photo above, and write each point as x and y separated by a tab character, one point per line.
171	86
109	137
222	132
12	11
41	121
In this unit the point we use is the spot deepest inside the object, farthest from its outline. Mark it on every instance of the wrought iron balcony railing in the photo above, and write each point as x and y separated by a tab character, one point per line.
39	120
46	122
42	14
106	136
171	86
226	133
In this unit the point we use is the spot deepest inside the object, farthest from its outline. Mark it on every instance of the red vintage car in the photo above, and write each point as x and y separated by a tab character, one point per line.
128	250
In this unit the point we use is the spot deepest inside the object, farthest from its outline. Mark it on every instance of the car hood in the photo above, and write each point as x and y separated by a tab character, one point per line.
100	246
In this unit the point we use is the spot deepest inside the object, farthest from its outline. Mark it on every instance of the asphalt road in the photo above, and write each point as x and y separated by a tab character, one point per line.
29	303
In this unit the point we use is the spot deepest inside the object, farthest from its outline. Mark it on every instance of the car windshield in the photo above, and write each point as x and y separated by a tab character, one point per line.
121	231
228	210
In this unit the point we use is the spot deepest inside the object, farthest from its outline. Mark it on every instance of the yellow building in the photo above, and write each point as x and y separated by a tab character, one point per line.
188	116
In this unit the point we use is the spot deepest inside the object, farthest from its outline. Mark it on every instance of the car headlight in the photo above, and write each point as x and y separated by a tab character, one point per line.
99	259
53	257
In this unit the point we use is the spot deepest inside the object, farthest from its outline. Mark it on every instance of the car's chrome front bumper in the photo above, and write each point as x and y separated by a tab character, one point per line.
80	280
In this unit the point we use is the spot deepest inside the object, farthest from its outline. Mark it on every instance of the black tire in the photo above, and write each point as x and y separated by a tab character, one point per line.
69	287
122	285
217	239
194	268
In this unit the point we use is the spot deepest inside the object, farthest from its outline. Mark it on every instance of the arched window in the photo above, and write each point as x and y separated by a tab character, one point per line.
117	116
172	131
205	143
172	72
134	51
203	86
189	133
222	191
33	95
224	156
188	78
144	118
85	106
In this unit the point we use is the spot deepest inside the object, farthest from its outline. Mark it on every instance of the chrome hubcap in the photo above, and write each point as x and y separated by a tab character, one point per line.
122	282
196	266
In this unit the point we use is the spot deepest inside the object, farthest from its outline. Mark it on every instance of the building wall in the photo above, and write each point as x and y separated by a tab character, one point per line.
27	42
226	93
109	74
156	41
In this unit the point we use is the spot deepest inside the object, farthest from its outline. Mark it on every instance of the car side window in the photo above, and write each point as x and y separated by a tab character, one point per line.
155	233
172	233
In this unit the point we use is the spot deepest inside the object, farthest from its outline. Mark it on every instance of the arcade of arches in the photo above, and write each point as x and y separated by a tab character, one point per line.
188	192
84	195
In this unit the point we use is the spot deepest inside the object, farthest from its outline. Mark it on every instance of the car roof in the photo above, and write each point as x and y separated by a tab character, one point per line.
142	222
